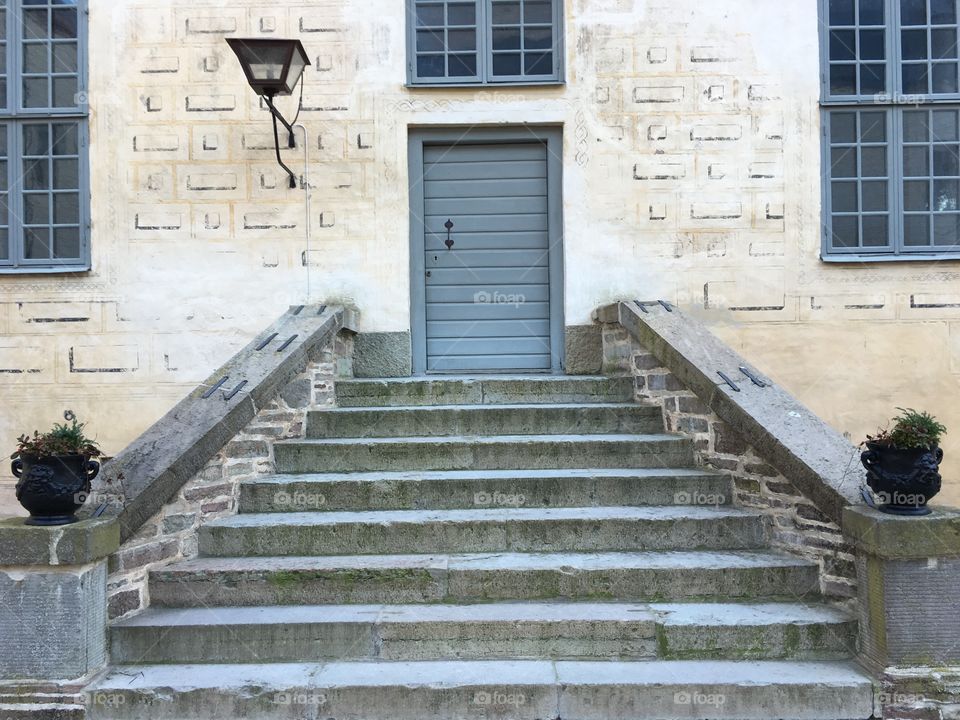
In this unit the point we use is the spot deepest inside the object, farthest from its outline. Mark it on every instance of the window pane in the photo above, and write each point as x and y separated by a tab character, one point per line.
65	92
872	45
843	127
66	208
508	64
538	38
843	45
873	162
876	231
4	238
463	65
36	243
944	44
914	44
462	14
36	208
916	230
945	230
944	125
874	196
915	127
945	195
430	40
873	127
845	232
538	64
35	93
36	140
913	12
537	11
916	161
66	243
873	79
429	15
35	24
462	40
65	138
506	38
871	12
943	12
843	79
844	197
945	160
506	12
65	58
842	12
430	66
915	79
66	174
843	163
916	195
64	23
36	58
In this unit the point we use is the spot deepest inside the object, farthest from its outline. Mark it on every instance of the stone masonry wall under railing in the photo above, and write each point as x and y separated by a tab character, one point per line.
187	468
795	522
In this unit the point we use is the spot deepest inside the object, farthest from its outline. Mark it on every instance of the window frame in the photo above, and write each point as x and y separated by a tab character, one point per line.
485	53
13	117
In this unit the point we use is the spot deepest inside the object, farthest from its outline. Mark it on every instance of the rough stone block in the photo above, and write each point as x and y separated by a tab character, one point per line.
584	349
382	355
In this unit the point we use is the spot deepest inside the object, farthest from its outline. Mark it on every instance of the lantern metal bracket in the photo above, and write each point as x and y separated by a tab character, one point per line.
291	141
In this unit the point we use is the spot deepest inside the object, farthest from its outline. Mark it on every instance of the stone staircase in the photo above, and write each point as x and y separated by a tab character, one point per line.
523	548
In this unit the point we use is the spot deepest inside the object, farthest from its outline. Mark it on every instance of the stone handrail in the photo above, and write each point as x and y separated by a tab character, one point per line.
149	471
815	457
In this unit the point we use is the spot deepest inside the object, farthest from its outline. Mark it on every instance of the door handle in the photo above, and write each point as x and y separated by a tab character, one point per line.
449	226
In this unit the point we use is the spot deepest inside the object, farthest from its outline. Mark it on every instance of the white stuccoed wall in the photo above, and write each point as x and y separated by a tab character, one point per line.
691	173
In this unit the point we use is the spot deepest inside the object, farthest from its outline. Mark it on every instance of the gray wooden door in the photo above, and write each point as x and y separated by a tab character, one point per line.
487	295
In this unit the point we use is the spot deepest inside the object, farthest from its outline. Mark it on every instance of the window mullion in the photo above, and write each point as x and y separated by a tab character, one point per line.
896	179
15	194
485	43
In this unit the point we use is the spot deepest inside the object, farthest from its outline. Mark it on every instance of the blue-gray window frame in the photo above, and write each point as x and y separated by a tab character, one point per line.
485	52
14	116
892	104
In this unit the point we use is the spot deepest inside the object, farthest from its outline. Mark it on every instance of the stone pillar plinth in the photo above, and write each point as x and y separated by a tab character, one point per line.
53	608
908	571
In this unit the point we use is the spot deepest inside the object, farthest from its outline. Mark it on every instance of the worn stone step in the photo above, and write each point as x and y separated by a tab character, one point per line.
450	489
594	529
463	578
582	418
496	630
493	389
499	452
510	690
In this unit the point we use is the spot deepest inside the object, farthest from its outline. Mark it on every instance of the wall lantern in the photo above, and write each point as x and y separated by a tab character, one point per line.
273	67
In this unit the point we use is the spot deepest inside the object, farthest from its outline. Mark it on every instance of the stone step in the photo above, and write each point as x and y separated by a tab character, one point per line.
390	579
510	690
480	632
529	530
490	390
499	452
484	488
442	420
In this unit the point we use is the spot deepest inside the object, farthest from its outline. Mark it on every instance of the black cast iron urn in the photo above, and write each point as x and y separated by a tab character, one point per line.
53	488
903	480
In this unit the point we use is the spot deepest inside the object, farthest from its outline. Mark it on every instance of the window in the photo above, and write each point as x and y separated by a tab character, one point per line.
891	104
484	41
43	129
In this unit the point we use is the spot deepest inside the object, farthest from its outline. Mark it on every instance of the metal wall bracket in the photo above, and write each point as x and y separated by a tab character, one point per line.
728	381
